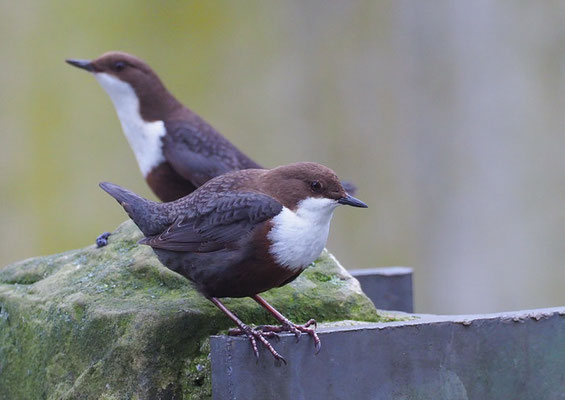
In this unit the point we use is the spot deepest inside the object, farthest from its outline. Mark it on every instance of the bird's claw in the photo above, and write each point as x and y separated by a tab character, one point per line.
289	327
261	335
235	332
266	333
311	322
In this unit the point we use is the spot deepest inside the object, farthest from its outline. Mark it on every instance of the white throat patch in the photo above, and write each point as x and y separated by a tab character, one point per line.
143	137
299	237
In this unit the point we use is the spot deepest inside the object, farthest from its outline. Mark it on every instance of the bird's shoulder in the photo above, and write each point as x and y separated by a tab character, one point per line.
196	134
198	153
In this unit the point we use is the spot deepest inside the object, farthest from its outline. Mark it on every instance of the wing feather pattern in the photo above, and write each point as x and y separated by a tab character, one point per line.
223	219
198	153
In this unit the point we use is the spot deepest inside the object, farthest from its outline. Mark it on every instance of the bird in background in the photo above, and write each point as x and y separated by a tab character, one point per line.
177	151
243	233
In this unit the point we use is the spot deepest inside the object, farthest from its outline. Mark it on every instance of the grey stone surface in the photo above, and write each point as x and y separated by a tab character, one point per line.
495	356
388	288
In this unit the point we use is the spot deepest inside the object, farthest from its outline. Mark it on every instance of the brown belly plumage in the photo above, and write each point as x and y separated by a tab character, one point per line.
239	271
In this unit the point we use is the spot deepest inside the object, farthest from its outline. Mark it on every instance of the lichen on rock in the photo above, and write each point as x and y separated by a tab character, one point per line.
113	323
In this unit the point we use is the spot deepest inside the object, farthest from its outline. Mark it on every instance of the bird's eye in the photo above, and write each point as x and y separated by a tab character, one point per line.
119	65
316	186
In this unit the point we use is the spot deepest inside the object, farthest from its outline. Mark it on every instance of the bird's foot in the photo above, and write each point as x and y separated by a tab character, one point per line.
296	329
102	240
267	334
260	335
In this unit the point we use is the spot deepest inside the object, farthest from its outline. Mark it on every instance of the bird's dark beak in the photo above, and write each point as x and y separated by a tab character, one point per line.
352	201
84	64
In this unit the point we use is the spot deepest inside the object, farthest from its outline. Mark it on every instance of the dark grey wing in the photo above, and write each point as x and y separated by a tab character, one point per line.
198	153
227	219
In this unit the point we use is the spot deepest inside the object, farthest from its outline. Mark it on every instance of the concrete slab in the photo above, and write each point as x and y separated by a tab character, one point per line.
518	355
388	288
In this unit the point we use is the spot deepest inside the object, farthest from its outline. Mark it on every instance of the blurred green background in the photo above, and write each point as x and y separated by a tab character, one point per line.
449	118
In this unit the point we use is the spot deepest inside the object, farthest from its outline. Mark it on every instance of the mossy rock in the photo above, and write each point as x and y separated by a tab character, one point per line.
113	323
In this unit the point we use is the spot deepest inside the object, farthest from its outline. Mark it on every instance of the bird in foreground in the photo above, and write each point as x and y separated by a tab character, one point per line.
243	233
177	151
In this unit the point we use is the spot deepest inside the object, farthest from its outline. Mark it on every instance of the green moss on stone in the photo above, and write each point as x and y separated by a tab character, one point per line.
113	323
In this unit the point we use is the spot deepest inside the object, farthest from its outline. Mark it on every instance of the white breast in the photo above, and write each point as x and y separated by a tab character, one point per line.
143	137
299	237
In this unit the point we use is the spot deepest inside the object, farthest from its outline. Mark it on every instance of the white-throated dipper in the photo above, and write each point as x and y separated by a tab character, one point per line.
177	151
243	233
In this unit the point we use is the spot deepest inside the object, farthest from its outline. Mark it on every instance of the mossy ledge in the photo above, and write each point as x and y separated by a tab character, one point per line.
113	323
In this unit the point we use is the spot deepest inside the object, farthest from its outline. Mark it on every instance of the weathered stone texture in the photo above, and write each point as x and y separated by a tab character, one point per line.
113	323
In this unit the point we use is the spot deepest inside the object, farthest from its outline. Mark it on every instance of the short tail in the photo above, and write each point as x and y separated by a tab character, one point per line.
140	210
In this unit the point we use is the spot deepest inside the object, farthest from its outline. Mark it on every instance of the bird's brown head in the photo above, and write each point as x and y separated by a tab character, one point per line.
123	66
119	73
293	183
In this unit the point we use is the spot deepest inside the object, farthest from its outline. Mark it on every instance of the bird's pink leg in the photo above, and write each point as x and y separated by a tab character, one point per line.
252	334
287	325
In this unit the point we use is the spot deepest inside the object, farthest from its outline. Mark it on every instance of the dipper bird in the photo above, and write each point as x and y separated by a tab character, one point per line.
177	151
243	233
